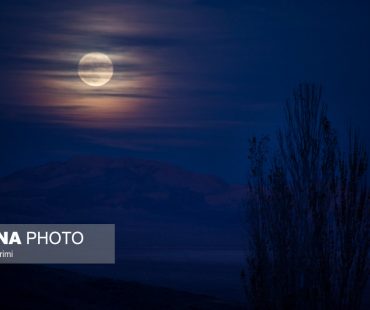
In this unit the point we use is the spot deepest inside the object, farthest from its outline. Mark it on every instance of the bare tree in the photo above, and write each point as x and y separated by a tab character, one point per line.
308	214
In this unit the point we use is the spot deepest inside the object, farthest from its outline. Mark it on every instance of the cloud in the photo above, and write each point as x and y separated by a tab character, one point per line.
174	64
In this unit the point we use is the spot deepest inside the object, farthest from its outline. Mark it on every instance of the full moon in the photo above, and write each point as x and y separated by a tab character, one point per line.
95	69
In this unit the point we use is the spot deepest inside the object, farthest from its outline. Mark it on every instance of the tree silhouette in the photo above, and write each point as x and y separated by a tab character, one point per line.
308	214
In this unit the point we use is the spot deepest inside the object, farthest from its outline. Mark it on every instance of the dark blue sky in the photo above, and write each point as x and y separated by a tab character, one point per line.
193	79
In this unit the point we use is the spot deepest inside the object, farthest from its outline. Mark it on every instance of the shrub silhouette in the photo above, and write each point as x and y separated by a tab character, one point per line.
307	213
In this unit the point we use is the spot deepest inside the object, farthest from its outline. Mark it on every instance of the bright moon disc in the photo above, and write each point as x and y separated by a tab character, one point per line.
95	69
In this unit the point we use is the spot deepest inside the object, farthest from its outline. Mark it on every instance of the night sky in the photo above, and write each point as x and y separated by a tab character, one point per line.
193	80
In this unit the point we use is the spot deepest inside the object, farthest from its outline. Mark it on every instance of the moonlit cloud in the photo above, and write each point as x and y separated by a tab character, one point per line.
50	71
192	78
153	48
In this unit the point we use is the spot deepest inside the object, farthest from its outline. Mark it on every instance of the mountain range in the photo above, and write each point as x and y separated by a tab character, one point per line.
151	202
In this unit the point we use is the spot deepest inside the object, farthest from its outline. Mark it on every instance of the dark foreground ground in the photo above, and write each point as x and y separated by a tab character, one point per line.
35	287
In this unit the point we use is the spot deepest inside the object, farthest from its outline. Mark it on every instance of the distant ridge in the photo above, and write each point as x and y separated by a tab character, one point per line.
147	199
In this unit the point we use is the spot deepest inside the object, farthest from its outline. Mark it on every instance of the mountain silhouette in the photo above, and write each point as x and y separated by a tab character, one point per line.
151	202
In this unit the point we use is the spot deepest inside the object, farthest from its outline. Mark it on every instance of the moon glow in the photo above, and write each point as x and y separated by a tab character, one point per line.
95	69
